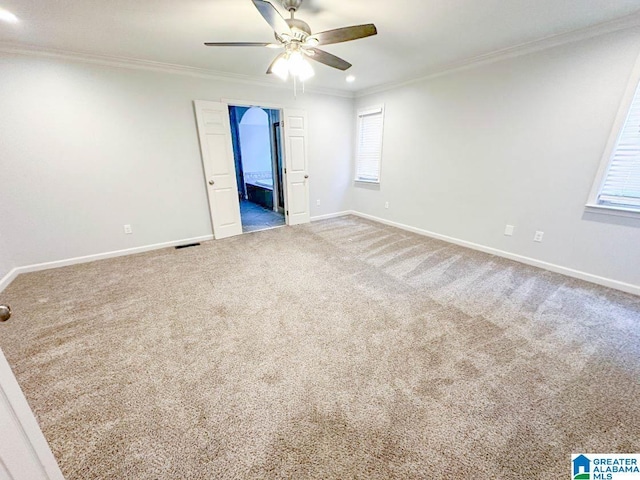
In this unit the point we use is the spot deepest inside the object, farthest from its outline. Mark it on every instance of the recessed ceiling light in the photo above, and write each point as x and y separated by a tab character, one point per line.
351	79
7	16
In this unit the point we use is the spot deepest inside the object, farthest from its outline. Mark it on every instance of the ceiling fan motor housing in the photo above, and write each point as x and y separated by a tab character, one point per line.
300	29
291	4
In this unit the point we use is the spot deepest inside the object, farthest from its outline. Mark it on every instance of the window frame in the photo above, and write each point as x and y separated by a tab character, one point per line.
362	112
592	205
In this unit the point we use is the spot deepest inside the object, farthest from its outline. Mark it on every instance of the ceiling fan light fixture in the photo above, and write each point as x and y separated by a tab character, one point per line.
299	67
7	16
305	71
281	68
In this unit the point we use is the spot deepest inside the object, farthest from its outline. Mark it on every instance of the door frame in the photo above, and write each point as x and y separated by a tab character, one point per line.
271	106
278	165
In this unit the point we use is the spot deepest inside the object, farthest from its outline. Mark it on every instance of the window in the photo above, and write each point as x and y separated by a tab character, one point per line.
369	145
618	184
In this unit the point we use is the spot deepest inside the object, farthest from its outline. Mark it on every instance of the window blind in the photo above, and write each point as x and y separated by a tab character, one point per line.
369	147
621	186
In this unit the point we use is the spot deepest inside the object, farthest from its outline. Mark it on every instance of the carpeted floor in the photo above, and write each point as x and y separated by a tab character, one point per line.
339	350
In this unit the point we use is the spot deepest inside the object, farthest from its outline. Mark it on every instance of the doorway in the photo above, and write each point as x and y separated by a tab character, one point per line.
219	165
257	151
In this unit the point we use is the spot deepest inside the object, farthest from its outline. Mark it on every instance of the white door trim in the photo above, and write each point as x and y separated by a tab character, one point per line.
250	103
281	109
274	162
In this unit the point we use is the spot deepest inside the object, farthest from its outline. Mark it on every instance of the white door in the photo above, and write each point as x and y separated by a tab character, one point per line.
296	166
24	452
214	131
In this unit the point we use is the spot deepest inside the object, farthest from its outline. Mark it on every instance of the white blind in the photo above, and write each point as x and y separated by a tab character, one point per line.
621	185
369	148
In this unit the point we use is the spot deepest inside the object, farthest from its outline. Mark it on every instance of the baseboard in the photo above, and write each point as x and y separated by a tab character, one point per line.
331	215
8	278
4	283
588	277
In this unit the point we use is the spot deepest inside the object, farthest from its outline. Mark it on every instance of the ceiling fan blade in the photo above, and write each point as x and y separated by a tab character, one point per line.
270	69
273	17
345	34
241	44
328	59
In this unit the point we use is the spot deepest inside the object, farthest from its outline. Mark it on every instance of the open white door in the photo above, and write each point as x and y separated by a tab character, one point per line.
214	131
24	452
295	164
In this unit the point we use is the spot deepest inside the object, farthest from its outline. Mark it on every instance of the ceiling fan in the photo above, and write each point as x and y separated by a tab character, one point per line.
298	42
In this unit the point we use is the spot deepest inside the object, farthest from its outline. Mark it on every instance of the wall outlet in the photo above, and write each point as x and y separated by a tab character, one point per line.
508	230
318	202
538	236
127	229
386	204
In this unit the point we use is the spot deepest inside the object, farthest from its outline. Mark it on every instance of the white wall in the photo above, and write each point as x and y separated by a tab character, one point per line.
515	142
89	148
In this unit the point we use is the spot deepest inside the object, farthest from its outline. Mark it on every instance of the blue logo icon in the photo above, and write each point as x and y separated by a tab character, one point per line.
581	468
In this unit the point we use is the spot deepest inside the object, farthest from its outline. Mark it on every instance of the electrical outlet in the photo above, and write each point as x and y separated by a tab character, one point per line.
538	236
508	230
127	229
318	202
386	204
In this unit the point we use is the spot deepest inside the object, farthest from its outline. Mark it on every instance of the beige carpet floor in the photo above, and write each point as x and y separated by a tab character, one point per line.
339	350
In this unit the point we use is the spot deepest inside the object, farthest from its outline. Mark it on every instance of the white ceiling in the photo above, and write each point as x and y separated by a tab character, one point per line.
414	36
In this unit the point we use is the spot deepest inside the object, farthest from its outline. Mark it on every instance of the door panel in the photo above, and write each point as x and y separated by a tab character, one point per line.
218	151
296	166
24	452
298	199
224	202
214	131
298	159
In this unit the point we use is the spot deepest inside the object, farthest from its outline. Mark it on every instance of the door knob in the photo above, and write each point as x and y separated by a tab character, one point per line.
211	182
5	313
306	176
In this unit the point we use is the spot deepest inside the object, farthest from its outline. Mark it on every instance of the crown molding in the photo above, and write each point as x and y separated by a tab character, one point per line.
149	65
545	43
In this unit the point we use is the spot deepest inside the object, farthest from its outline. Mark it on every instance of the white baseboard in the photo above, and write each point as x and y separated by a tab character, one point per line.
588	277
331	215
606	282
8	278
4	283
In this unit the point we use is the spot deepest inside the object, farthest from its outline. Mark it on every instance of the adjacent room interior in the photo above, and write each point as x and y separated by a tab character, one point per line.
318	239
257	153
